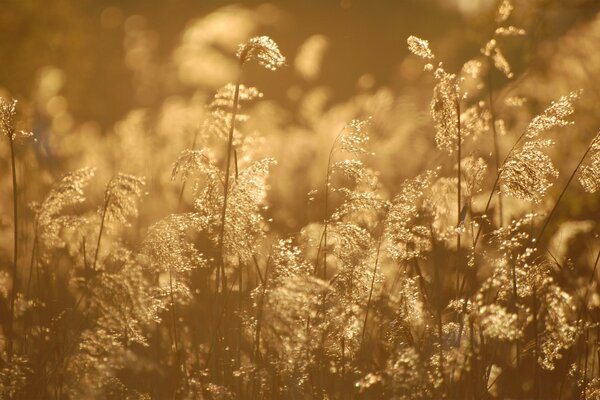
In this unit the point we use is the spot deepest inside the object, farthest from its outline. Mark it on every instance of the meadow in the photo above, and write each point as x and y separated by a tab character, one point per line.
437	241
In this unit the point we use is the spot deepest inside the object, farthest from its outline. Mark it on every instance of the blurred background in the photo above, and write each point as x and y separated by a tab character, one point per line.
115	84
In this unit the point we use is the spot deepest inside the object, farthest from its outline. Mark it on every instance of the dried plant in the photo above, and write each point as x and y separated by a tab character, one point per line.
400	279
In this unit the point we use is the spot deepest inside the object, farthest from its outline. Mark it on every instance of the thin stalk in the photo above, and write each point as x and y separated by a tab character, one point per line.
495	185
326	222
174	326
458	198
215	338
536	352
487	207
439	328
240	306
496	145
264	282
562	193
439	322
585	364
514	284
32	263
180	198
323	240
13	292
362	337
221	267
104	208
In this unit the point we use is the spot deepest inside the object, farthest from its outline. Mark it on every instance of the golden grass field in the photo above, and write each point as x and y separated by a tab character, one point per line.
298	200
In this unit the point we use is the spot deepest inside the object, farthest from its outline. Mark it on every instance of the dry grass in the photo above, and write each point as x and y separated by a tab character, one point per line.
164	265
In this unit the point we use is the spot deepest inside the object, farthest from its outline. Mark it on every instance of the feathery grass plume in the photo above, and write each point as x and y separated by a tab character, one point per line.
492	50
473	170
362	202
515	101
554	116
352	139
218	122
92	370
191	162
8	120
589	173
362	206
444	109
244	222
356	270
560	327
288	262
592	389
262	49
356	256
472	68
528	172
13	377
120	203
440	205
50	220
120	307
409	375
531	279
207	185
123	298
287	301
223	99
498	323
408	239
475	121
121	196
508	281
504	11
351	244
170	254
355	170
288	309
409	311
513	237
362	197
419	47
355	136
219	392
509	31
8	112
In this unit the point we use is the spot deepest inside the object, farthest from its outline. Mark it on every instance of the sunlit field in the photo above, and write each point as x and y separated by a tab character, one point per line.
300	200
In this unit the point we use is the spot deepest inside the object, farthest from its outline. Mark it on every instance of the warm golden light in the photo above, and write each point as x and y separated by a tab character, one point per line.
299	200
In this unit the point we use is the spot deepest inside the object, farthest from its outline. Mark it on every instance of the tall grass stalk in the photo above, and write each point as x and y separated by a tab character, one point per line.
14	271
101	230
220	278
459	211
368	306
323	240
495	137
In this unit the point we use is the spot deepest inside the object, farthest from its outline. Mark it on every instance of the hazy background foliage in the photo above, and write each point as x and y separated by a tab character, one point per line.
126	87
